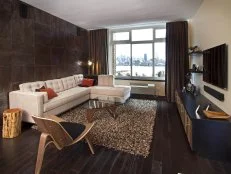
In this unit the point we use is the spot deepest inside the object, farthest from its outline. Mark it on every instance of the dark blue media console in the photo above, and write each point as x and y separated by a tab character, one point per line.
210	138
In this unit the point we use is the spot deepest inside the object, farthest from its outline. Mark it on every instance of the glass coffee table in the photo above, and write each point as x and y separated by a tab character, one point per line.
109	104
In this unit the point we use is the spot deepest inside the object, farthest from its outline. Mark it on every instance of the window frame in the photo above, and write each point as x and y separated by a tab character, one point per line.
129	41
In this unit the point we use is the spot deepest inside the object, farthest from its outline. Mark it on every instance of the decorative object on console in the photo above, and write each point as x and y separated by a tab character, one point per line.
197	91
216	115
189	86
183	89
196	112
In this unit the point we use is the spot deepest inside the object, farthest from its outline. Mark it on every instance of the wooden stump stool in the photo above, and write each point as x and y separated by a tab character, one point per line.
12	119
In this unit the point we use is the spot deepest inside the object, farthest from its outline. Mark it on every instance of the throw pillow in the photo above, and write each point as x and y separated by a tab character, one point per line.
87	82
50	92
38	90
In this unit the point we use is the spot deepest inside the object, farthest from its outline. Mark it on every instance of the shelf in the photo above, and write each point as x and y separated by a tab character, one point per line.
196	53
193	71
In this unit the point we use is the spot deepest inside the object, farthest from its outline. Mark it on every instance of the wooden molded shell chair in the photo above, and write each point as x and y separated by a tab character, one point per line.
61	133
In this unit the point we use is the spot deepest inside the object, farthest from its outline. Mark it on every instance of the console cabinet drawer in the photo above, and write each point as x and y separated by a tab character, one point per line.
186	121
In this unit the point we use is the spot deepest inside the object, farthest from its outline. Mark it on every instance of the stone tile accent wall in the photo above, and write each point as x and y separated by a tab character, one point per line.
39	47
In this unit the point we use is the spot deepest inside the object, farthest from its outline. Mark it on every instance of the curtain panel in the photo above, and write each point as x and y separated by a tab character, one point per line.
98	51
177	61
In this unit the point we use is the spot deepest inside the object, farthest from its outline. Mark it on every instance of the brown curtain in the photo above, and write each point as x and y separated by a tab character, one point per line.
98	51
177	62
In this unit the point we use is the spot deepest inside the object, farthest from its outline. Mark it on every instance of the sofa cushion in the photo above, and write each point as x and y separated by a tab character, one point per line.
50	93
31	86
78	78
119	91
65	97
69	82
56	85
87	82
105	80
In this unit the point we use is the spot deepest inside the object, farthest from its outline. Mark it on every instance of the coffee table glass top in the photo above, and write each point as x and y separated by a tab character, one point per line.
109	104
103	102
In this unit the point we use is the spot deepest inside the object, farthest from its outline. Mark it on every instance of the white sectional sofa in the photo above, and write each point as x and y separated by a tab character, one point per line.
69	95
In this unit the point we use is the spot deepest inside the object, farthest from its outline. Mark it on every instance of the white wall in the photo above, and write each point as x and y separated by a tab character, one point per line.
210	27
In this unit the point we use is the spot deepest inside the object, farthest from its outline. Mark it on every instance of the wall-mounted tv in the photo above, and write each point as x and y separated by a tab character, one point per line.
215	62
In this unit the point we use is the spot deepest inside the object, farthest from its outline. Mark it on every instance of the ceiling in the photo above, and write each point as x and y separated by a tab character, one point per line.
95	14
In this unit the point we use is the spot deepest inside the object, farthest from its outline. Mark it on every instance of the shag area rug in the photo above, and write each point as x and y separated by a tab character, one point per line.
131	131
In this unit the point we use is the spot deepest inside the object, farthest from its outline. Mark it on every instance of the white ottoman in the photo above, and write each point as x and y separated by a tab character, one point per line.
122	93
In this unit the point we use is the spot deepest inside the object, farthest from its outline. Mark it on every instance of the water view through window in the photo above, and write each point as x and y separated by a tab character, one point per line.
141	59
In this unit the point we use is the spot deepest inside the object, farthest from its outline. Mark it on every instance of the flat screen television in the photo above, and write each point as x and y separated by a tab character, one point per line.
215	61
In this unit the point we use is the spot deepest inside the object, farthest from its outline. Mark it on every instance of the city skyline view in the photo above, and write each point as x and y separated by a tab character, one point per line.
141	54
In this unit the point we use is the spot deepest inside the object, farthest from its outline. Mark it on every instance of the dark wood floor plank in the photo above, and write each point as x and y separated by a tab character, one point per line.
96	162
119	163
128	166
169	153
106	162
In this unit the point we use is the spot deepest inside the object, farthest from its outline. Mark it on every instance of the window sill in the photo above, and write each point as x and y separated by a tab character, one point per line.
139	79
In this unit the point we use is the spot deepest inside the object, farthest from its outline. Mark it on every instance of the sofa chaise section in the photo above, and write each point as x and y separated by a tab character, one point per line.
107	90
117	93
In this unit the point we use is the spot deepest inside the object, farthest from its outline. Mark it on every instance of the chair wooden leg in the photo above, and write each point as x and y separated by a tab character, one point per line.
90	145
41	149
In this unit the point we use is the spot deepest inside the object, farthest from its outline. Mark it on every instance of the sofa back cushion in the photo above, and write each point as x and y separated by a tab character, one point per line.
56	85
78	78
31	86
105	80
68	82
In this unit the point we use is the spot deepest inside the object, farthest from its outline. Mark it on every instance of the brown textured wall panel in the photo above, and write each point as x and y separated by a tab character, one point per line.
39	47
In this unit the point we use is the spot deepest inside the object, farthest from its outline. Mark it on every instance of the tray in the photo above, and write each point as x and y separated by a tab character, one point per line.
216	115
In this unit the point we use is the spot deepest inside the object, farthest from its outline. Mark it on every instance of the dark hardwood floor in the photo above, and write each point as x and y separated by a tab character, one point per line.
170	154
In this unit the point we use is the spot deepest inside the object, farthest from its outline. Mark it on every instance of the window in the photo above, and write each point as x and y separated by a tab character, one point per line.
159	59
121	36
160	33
144	34
142	60
123	59
139	53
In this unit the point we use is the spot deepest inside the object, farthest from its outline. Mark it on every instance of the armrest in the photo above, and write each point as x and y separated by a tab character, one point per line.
151	85
30	102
